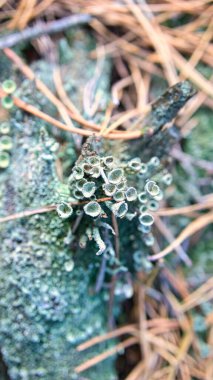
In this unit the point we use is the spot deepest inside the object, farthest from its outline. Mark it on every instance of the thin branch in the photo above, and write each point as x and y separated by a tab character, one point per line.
43	28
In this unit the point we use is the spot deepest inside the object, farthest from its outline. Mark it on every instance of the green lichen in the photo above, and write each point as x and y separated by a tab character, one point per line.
47	306
53	294
96	177
9	86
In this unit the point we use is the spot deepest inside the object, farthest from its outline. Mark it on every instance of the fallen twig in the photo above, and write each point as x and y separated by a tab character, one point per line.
41	28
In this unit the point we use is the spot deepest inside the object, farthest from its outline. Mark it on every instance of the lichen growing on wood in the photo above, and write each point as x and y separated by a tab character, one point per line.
46	305
53	293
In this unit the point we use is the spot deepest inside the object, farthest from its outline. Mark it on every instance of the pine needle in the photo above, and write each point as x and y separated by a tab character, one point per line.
193	227
106	354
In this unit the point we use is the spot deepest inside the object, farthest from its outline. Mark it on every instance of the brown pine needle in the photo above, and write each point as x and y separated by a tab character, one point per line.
165	231
139	86
26	213
127	116
186	209
135	36
107	117
167	356
178	283
136	373
61	91
26	70
23	14
189	72
183	348
118	87
144	344
129	329
44	209
163	329
46	91
201	47
49	119
161	374
40	7
106	354
162	343
200	295
163	322
157	38
193	227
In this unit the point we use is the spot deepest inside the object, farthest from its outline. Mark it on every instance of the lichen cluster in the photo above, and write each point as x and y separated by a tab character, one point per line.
8	86
45	306
47	302
54	294
5	145
104	184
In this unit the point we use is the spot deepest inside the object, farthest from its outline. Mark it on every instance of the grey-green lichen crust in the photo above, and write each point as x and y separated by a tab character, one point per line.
47	304
47	299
